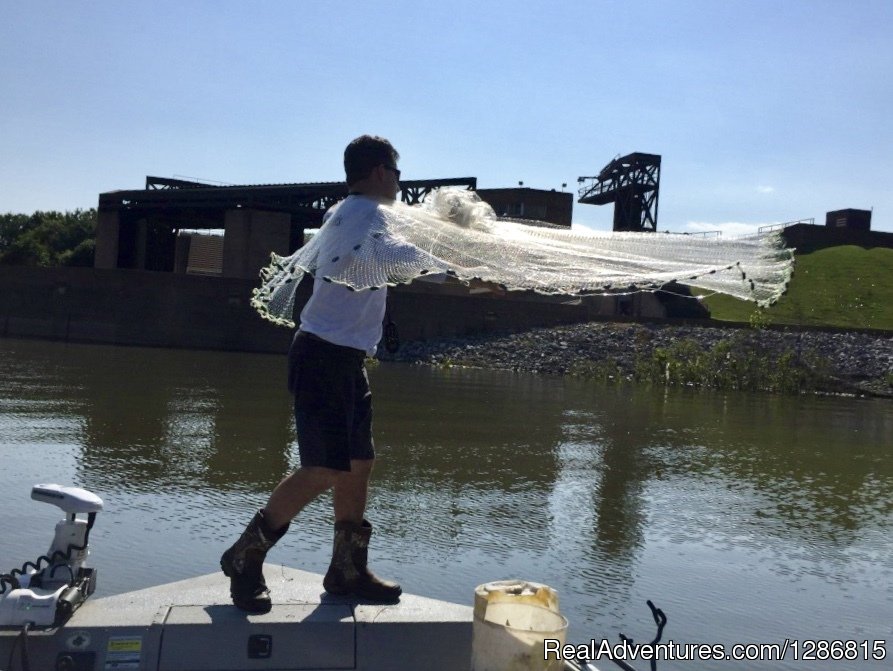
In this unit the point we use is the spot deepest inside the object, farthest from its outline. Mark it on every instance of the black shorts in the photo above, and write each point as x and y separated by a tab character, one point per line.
333	402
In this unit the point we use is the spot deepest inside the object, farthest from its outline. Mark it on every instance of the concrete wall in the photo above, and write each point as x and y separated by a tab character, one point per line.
135	307
250	236
423	313
107	232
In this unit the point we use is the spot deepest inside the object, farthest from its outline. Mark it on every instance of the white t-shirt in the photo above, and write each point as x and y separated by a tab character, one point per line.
334	312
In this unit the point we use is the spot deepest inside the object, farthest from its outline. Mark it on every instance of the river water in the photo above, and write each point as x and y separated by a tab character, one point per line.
747	518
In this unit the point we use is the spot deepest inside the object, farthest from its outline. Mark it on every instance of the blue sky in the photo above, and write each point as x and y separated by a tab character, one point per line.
764	111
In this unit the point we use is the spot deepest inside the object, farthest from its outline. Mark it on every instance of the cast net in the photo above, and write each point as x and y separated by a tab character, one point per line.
455	233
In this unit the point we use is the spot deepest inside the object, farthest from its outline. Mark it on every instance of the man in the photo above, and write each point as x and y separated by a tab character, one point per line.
333	403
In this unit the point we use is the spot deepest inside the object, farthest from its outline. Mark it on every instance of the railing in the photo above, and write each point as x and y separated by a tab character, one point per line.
699	234
778	227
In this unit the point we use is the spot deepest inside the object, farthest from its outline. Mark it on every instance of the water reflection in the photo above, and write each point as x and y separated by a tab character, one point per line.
815	465
610	494
173	419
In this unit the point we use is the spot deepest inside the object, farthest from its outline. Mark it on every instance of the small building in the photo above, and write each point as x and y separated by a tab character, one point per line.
857	220
554	207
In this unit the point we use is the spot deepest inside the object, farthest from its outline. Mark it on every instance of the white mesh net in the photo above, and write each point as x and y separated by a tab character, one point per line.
456	233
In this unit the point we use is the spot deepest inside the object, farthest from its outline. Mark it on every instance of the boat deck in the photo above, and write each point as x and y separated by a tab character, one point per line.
192	626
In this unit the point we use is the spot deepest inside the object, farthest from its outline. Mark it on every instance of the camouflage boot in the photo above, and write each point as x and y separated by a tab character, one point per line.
243	564
348	573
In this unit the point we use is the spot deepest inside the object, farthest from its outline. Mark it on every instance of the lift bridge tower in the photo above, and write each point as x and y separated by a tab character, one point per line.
630	182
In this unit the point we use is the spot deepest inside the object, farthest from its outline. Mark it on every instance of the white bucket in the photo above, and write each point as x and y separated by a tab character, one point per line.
512	620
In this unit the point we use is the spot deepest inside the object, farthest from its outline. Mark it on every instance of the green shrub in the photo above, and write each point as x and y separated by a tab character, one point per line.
606	370
737	363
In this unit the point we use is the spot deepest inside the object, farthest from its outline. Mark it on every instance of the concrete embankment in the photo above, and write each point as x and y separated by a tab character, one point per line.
850	360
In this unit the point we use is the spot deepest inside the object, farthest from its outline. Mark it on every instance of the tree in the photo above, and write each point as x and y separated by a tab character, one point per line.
11	227
48	238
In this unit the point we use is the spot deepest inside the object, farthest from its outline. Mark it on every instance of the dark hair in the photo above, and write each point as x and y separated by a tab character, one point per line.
365	153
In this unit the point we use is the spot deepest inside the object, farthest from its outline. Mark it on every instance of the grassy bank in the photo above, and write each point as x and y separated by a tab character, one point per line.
845	286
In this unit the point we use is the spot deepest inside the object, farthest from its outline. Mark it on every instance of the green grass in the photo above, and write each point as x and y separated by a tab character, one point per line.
845	286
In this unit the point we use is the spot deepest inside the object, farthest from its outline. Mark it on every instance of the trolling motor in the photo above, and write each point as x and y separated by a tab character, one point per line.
45	593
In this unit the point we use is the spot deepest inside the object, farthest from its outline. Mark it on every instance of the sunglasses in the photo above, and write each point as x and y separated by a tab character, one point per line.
394	169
